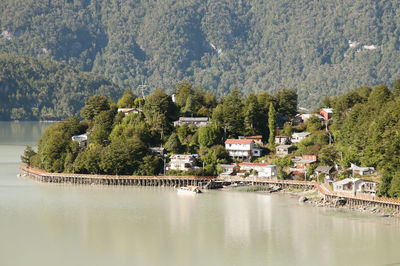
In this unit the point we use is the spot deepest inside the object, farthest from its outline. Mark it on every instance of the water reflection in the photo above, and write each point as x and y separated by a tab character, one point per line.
52	224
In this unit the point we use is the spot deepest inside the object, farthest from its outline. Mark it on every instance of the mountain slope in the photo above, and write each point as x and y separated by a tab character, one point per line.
43	89
316	47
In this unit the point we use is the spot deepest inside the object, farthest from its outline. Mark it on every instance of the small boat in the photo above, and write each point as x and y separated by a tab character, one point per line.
189	190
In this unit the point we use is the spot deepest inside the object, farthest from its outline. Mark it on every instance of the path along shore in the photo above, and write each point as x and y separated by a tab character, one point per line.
325	192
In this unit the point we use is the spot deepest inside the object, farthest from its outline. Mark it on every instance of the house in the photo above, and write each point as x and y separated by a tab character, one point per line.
362	170
192	121
283	150
299	136
356	186
83	140
261	170
306	161
326	170
181	162
257	139
229	169
281	139
326	113
242	148
302	118
128	111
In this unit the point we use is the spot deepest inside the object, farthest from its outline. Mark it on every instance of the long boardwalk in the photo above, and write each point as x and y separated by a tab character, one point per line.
121	180
209	182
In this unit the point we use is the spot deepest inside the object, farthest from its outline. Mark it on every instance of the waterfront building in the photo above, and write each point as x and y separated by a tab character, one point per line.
242	148
356	186
261	170
181	162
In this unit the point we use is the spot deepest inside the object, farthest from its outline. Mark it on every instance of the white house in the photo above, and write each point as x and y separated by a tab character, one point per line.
83	140
128	111
194	121
283	150
182	162
242	148
263	170
355	186
299	136
362	170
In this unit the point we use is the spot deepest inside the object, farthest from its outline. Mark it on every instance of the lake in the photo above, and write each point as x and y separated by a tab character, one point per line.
53	224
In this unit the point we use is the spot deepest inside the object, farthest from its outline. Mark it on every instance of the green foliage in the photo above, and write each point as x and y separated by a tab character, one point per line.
209	135
127	100
27	156
313	124
250	44
102	127
93	106
212	157
151	165
328	155
173	144
32	89
271	124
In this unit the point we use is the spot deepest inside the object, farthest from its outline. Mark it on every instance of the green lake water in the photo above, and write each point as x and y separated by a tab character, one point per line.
50	224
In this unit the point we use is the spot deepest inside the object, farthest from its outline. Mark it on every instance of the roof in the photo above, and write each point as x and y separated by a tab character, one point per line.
327	110
346	181
301	134
193	119
306	161
256	164
283	147
323	169
238	141
358	168
251	137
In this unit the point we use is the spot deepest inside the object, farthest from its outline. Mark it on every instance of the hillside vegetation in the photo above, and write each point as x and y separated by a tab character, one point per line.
316	47
32	89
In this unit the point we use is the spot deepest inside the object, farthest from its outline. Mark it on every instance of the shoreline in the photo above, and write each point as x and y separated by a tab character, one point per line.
314	199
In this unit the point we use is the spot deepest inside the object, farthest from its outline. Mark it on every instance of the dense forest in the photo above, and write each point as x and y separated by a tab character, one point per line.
367	132
318	48
42	89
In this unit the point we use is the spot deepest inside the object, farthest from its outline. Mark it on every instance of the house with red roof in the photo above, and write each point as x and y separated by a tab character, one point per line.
242	148
257	139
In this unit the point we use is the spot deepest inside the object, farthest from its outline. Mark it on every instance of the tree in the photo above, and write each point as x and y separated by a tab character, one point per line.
160	111
287	102
127	100
396	88
253	115
232	108
271	124
150	166
173	144
394	190
209	135
27	156
93	106
184	90
103	125
328	155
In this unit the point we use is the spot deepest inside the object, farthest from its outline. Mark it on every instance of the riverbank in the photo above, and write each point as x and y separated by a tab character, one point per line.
314	198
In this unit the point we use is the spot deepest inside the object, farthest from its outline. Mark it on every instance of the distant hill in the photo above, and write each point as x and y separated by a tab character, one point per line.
32	89
316	47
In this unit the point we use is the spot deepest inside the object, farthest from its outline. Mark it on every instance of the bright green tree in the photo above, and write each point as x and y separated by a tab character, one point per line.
271	124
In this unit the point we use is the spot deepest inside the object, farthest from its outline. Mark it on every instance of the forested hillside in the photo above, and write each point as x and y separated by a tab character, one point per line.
32	89
316	47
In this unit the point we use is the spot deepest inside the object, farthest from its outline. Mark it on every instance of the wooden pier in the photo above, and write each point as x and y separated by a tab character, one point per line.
114	180
207	182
